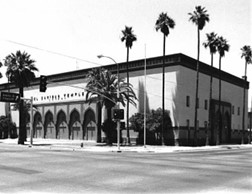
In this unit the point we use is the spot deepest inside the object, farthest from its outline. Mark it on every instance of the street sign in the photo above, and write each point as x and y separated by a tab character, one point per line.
9	97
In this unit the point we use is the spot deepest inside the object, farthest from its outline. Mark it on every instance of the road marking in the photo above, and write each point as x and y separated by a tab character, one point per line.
19	170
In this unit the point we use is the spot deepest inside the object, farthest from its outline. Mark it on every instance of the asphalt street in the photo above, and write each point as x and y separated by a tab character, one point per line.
36	170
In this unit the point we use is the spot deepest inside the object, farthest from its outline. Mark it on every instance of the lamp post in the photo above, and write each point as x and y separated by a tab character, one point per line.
9	110
118	104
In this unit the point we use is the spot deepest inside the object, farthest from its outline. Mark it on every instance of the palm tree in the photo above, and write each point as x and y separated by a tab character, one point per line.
199	17
164	23
20	70
93	76
247	54
129	38
102	87
26	109
0	72
211	43
222	47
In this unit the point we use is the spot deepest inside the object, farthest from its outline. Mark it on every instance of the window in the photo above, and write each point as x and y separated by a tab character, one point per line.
238	111
233	110
188	123
205	124
206	104
187	101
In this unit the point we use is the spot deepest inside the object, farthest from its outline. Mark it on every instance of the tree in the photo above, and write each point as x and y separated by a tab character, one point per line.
0	72
164	23
7	127
199	17
211	43
102	88
26	109
129	38
222	47
247	54
20	70
153	127
93	76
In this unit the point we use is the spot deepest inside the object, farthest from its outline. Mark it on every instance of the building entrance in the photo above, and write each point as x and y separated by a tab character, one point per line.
89	126
49	126
75	126
221	122
37	126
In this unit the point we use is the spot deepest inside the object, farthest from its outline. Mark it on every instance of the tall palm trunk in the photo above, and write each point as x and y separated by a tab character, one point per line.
9	111
128	134
22	125
163	93
244	97
210	101
220	116
197	93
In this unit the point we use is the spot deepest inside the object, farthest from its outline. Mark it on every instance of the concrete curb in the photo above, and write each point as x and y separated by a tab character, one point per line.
90	146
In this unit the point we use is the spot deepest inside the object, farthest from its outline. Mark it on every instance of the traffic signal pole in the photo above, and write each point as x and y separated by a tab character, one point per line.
44	82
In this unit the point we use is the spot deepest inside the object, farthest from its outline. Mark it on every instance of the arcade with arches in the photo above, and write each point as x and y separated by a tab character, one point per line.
75	125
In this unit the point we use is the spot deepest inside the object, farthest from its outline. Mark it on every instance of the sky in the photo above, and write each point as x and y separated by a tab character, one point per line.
66	35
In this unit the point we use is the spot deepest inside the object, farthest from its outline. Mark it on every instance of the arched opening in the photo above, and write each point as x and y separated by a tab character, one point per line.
220	122
37	126
50	131
89	125
75	127
61	126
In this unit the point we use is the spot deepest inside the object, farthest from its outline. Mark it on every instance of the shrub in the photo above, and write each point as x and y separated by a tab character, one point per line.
109	128
153	127
5	126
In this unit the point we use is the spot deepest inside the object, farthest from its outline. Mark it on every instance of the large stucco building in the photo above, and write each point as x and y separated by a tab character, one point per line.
62	112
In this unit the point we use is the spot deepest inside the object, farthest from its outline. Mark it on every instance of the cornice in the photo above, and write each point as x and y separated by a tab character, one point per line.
136	65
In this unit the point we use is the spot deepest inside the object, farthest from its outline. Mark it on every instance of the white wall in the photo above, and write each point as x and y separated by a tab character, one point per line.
186	87
2	108
154	90
179	83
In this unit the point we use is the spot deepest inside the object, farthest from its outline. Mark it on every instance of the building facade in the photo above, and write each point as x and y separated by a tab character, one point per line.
62	112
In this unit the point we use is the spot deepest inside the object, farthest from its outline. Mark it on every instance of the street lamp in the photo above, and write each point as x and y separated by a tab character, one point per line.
118	104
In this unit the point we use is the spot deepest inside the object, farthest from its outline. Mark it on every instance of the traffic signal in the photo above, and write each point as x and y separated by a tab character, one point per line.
43	83
118	114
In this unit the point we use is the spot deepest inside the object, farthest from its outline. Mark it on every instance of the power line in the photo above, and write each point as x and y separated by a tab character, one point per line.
52	52
79	59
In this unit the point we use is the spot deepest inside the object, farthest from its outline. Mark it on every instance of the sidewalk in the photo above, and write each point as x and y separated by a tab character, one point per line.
91	146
